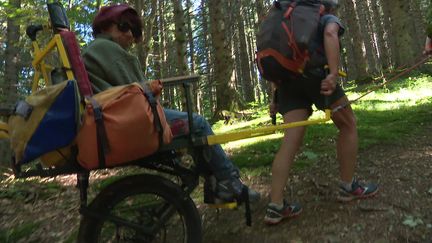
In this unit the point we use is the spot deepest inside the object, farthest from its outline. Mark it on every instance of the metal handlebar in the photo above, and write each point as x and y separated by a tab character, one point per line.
32	30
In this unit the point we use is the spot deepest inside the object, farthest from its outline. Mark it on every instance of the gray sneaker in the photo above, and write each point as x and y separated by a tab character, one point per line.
358	191
274	215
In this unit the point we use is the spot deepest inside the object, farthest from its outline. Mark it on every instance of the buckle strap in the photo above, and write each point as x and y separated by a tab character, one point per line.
245	199
101	135
156	119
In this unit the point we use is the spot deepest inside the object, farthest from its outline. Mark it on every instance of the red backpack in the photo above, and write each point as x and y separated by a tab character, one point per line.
284	38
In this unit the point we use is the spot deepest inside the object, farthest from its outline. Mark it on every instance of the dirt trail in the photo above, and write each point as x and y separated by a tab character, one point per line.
401	212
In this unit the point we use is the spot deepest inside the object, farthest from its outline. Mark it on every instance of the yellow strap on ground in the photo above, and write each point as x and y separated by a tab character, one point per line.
249	133
4	128
230	205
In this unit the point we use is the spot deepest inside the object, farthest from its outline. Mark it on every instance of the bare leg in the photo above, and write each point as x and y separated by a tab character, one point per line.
283	160
347	143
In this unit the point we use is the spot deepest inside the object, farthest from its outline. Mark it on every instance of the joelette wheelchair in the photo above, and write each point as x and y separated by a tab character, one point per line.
146	207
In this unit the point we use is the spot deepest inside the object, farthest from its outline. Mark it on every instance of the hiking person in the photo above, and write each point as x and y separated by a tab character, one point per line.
116	28
295	96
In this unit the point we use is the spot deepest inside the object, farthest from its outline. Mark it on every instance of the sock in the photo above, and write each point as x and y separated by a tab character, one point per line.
347	186
276	205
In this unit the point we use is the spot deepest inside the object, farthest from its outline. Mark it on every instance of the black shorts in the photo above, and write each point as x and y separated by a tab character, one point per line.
301	92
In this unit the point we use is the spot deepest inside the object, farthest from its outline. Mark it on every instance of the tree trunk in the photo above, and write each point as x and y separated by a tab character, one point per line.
189	12
402	32
419	24
12	55
250	24
148	23
221	55
167	94
157	59
180	38
354	36
389	30
208	80
190	36
383	54
246	80
366	28
180	46
260	11
11	70
347	45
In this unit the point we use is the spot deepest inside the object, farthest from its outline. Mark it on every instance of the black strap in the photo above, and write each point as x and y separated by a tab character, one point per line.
156	119
245	196
275	100
101	135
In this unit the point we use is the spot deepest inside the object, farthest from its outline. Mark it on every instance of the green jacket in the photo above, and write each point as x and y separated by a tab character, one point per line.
108	64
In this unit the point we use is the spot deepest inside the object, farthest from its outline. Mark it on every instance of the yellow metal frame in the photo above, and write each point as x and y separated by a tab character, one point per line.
42	69
249	133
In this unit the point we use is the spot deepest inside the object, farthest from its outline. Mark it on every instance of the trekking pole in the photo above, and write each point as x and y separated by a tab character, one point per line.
417	64
275	100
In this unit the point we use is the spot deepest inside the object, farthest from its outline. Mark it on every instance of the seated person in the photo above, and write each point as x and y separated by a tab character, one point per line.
109	63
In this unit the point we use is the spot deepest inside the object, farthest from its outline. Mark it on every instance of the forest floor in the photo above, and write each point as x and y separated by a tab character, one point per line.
400	212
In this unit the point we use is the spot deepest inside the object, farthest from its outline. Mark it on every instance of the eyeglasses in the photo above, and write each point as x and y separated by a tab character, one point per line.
125	27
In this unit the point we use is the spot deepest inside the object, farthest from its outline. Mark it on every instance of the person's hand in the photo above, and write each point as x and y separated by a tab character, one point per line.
328	85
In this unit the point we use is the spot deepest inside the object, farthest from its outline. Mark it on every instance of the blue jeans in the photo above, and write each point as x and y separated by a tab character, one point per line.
220	165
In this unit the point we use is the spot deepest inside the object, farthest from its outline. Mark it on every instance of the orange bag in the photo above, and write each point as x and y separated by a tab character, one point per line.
127	131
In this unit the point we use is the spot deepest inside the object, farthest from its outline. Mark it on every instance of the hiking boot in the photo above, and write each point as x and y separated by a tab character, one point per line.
357	192
274	215
230	189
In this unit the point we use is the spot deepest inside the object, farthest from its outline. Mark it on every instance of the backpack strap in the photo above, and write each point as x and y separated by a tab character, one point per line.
285	62
289	10
291	40
156	119
101	135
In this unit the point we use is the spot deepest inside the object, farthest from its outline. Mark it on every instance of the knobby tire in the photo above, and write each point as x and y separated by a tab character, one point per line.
159	203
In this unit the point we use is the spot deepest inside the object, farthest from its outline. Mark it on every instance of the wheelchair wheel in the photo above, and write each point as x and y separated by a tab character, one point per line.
141	208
